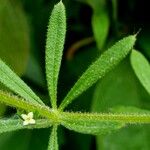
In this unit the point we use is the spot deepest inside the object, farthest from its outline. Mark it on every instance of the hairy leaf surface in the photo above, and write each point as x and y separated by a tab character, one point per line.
53	144
54	48
13	82
90	125
7	125
100	67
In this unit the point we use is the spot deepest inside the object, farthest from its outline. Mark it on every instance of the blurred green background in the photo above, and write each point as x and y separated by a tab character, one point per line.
92	27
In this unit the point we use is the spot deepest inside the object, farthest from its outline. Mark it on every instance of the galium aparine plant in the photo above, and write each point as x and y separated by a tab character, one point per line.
55	116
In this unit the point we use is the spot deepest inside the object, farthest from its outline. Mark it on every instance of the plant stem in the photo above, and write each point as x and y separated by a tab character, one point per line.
132	118
43	111
56	117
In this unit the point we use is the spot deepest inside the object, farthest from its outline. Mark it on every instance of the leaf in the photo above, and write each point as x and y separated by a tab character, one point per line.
14	38
138	134
94	128
88	125
54	47
100	20
53	144
141	68
118	87
8	125
101	123
100	25
13	82
14	35
130	138
99	68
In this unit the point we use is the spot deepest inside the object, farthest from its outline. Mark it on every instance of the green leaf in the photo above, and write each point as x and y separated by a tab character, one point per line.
54	48
118	87
53	144
100	25
14	38
99	68
101	123
8	125
141	68
100	20
14	35
94	128
138	134
87	124
130	138
13	82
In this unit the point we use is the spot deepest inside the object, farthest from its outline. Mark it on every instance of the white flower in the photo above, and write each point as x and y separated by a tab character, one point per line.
28	119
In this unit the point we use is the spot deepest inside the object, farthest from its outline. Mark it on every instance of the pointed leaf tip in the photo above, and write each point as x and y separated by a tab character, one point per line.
106	62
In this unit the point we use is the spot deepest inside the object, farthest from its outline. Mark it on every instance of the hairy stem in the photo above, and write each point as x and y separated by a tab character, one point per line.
132	118
57	117
43	111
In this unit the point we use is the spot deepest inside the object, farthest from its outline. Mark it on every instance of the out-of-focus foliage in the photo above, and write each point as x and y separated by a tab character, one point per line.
142	68
14	35
100	21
